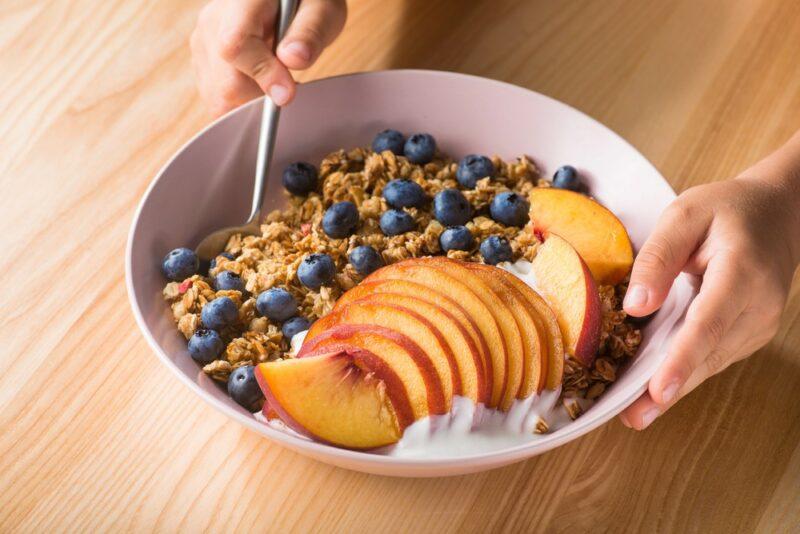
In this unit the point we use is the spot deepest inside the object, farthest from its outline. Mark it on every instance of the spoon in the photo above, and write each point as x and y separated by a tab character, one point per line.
215	242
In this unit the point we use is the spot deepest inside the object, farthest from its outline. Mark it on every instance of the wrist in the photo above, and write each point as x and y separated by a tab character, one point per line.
780	172
789	189
787	182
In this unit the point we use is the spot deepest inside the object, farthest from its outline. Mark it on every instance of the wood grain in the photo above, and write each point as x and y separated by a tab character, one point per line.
96	436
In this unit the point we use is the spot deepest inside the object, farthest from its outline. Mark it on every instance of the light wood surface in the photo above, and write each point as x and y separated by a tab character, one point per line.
95	435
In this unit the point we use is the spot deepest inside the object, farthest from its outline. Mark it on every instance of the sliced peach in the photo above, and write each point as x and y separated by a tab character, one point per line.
569	288
549	325
596	233
319	326
269	413
468	356
503	315
406	358
463	356
465	353
346	398
412	325
533	339
428	276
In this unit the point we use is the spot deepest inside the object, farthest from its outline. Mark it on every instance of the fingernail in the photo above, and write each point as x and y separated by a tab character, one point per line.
624	420
669	392
635	297
296	48
649	416
279	94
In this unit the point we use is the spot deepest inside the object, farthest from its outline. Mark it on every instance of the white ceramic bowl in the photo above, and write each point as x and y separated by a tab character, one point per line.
207	185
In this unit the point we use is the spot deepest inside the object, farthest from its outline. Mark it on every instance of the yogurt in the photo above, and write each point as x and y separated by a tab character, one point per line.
522	269
472	428
297	342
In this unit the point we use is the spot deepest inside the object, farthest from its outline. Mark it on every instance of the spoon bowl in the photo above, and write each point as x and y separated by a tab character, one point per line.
214	243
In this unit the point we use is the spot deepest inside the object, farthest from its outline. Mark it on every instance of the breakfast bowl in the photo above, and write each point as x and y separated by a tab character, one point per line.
207	185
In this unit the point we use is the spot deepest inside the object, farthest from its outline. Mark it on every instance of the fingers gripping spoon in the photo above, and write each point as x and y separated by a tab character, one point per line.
215	242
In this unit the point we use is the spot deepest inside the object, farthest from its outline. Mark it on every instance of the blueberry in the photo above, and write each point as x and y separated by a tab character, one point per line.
404	194
300	178
294	326
179	264
219	313
510	209
340	220
213	263
472	168
205	346
316	270
394	222
420	148
365	259
389	140
495	249
243	388
276	304
456	238
566	177
451	207
227	280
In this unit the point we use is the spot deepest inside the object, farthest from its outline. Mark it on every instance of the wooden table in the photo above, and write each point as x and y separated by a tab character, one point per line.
95	435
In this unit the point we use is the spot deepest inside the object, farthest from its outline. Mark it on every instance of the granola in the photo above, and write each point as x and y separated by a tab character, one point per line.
271	259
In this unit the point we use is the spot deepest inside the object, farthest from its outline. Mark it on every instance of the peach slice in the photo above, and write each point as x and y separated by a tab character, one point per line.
319	326
408	322
502	314
596	233
346	398
423	273
533	338
465	362
569	288
447	315
406	358
465	354
546	319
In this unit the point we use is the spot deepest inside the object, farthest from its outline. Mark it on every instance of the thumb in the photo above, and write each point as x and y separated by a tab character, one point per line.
678	233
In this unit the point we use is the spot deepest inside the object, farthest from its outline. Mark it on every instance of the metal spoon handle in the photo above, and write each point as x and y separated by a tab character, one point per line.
269	120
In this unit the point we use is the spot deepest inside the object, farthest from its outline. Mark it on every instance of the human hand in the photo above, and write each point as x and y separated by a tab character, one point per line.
233	42
743	237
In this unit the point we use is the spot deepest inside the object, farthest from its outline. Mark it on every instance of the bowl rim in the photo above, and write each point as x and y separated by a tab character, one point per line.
494	457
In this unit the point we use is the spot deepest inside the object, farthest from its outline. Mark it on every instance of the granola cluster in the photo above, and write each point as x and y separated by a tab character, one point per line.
289	235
